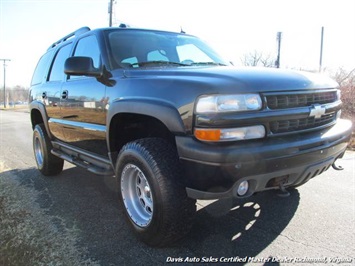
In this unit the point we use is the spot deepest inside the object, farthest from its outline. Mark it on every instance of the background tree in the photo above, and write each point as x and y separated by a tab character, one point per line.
14	94
346	80
257	58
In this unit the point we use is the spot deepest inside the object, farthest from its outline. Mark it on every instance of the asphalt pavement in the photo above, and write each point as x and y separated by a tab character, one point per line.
315	224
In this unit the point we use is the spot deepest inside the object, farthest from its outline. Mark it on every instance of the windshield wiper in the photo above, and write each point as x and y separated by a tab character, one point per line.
157	63
207	64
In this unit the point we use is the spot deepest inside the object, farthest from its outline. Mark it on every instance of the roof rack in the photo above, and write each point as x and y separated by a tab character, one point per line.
124	25
73	34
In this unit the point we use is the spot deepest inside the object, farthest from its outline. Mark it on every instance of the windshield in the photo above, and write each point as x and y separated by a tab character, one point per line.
132	48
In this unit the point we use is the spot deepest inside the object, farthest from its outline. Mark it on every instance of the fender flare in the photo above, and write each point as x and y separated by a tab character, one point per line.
161	110
39	106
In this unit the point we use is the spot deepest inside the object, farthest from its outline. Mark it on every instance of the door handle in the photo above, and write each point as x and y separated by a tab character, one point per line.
44	95
65	94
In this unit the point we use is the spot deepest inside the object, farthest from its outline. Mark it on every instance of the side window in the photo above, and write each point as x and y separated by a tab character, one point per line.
89	47
41	70
57	71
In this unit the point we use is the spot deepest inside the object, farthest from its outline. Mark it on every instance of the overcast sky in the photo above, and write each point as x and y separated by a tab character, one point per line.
232	27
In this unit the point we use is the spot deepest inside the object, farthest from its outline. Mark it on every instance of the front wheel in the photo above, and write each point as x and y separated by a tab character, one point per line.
47	163
152	191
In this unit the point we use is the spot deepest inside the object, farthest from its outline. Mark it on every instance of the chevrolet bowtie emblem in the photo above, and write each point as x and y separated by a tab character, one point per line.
317	111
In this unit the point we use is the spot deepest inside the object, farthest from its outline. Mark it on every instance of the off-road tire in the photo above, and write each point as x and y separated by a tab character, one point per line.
47	163
164	214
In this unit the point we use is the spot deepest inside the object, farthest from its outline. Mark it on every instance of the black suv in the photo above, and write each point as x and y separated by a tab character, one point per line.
174	122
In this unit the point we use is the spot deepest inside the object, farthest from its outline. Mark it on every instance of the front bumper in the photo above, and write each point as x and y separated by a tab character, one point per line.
215	170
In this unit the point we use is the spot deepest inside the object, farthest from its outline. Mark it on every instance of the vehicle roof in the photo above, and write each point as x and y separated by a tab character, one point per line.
84	30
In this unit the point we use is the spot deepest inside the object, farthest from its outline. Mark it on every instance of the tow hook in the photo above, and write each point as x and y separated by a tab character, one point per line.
283	193
336	167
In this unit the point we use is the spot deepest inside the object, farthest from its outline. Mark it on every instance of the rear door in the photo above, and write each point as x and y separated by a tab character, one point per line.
84	104
51	90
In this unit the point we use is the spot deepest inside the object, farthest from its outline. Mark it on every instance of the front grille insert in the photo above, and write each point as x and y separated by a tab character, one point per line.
292	125
284	101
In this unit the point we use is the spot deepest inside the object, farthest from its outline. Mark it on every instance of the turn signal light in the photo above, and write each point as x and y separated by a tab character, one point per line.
230	134
208	134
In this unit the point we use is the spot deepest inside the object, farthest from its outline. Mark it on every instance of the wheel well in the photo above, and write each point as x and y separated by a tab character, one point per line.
128	127
36	118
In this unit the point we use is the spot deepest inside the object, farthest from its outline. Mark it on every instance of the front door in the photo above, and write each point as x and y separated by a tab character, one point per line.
83	104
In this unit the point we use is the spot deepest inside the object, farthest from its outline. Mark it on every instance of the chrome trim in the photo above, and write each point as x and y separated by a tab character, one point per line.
317	111
79	125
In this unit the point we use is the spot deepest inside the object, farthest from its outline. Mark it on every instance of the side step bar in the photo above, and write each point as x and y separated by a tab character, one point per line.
84	159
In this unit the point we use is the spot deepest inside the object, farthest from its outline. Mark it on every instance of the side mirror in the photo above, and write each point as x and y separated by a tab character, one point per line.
81	66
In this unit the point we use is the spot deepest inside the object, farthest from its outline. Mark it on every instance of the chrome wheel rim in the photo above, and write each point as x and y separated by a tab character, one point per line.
136	195
38	152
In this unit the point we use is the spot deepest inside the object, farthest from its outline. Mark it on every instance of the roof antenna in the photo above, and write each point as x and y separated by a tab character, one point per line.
181	30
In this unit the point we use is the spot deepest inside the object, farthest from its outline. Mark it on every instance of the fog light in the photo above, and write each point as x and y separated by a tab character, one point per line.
243	188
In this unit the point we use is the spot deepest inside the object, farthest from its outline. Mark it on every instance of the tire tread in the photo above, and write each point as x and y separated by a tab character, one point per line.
178	209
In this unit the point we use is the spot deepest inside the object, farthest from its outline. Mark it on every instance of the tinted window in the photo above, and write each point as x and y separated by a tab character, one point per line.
131	61
140	46
41	70
57	72
89	47
188	51
157	55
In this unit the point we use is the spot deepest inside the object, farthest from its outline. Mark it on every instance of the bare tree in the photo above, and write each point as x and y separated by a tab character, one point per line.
346	80
267	61
343	76
15	94
251	59
257	59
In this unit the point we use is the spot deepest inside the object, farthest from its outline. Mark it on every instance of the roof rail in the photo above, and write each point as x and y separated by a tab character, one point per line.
124	25
73	34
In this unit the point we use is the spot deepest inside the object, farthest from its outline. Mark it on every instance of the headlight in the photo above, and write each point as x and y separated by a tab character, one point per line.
228	103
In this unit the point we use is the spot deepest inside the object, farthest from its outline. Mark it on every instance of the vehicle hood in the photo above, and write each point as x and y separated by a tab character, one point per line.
234	79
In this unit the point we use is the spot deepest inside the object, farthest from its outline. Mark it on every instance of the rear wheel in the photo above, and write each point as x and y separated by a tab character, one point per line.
153	193
47	163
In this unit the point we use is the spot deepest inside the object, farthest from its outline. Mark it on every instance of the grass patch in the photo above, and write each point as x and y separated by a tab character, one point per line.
29	236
